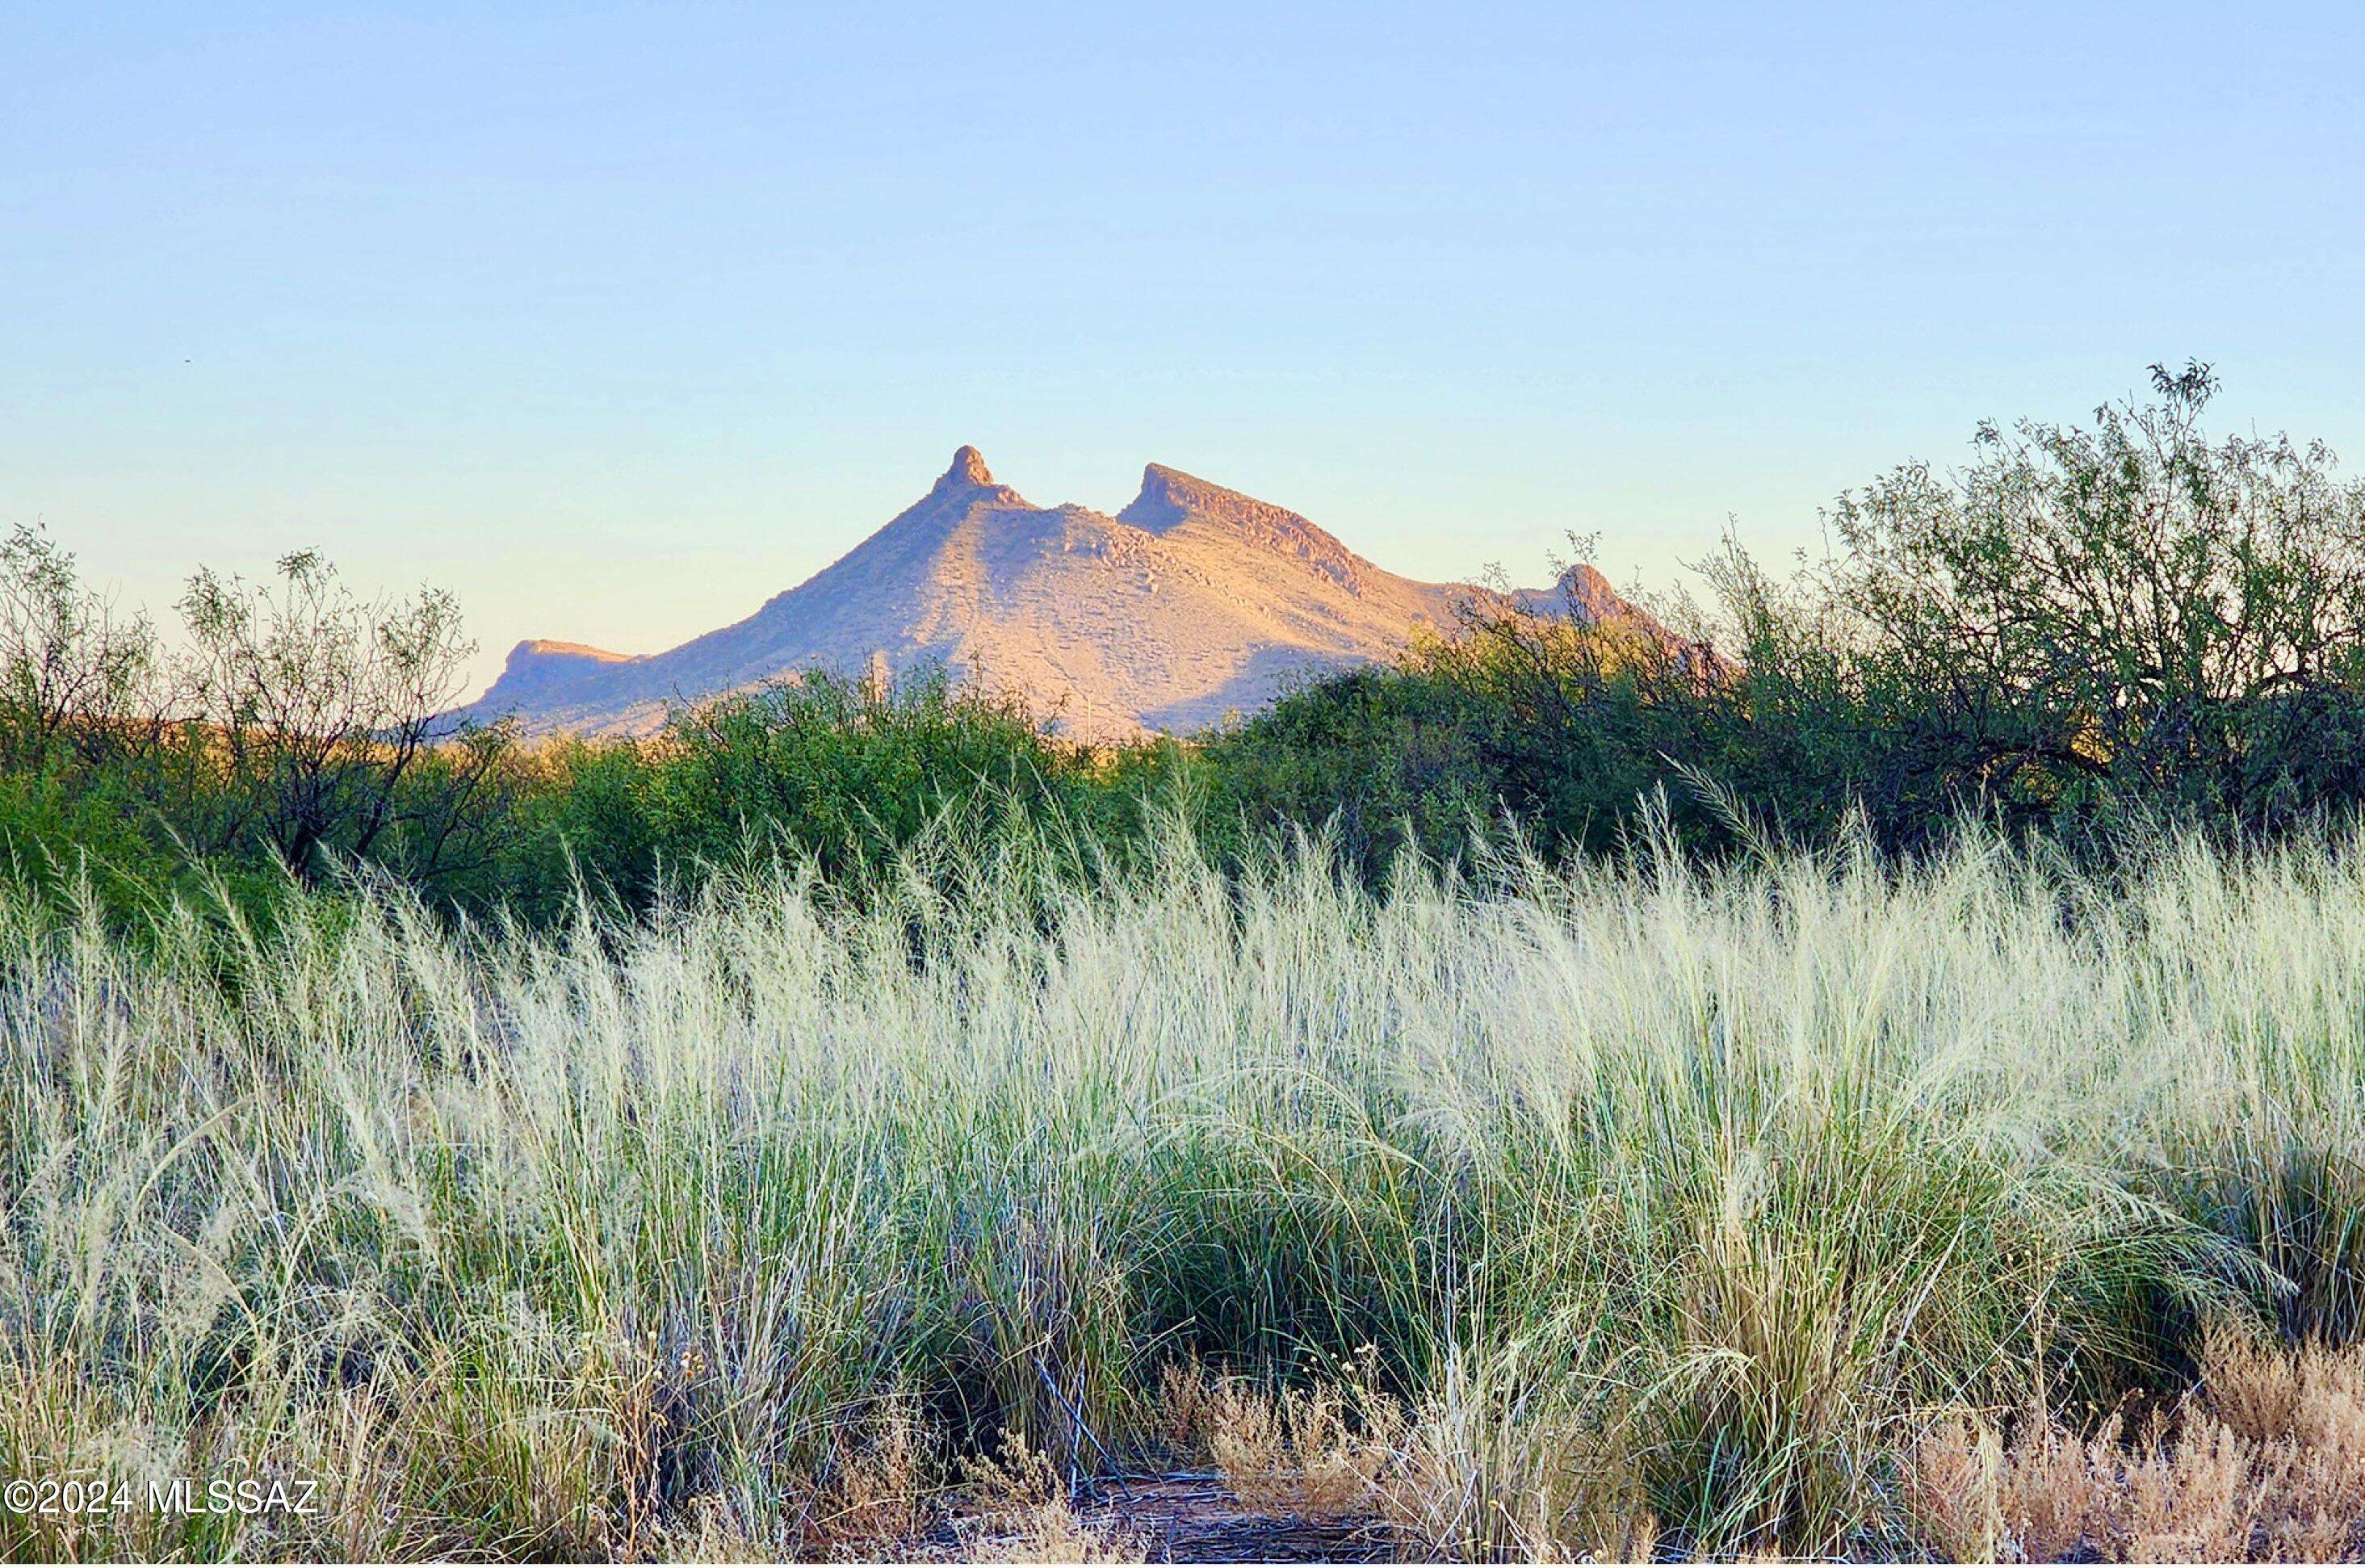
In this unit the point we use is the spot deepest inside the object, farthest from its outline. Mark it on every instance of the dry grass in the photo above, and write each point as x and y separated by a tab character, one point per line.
1015	1508
1463	1475
1296	1451
1482	1475
2265	1461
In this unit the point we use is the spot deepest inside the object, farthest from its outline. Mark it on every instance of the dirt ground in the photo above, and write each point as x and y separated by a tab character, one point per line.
1191	1517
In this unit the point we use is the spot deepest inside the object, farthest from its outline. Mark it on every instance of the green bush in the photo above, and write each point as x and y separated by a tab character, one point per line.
1565	727
843	775
2084	630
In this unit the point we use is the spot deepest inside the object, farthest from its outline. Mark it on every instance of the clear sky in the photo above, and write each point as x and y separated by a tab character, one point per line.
618	320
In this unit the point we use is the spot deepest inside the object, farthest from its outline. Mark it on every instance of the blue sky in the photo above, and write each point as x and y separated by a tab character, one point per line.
618	320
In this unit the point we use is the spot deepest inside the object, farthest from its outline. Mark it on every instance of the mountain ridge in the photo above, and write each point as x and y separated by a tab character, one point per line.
1191	603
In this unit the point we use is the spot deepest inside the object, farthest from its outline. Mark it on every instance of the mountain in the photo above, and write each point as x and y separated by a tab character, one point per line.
1193	603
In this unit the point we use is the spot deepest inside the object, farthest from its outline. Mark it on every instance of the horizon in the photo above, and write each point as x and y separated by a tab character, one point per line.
618	323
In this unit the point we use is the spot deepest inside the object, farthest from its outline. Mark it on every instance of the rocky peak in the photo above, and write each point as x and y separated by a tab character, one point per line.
1589	598
1170	499
1169	496
1582	596
967	471
543	648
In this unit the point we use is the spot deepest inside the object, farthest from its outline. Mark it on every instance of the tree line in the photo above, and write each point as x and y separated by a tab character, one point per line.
2088	630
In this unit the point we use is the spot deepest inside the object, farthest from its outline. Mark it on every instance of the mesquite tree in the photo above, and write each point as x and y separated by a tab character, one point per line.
321	709
2087	621
75	676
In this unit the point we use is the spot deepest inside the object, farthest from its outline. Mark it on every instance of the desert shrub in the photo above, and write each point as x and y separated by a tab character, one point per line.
1381	757
311	715
2090	632
1566	727
292	733
2085	628
56	830
848	776
847	771
77	679
581	825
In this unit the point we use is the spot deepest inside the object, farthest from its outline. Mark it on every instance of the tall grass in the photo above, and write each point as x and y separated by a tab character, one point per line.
1625	1187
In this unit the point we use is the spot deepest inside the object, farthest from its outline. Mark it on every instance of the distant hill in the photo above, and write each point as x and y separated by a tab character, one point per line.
1191	604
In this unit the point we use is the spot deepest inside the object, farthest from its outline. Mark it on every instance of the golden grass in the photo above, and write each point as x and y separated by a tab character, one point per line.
2265	1461
1457	1477
1015	1507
